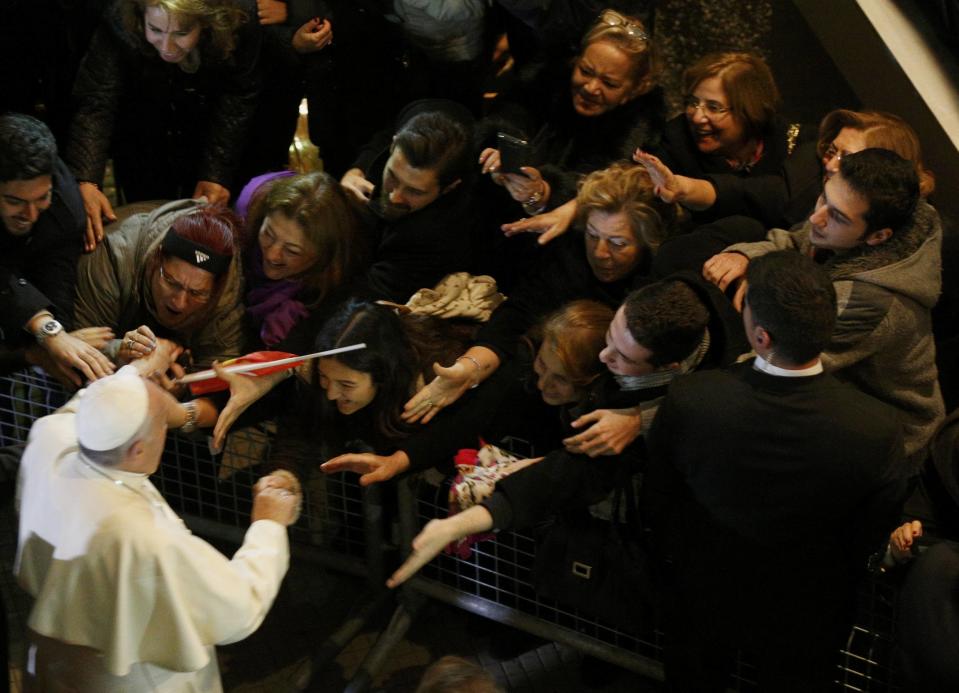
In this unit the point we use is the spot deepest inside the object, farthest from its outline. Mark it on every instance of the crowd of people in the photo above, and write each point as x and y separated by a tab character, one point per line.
724	311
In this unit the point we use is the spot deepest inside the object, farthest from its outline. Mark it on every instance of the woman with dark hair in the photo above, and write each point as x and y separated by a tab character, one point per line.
304	246
554	368
355	399
168	82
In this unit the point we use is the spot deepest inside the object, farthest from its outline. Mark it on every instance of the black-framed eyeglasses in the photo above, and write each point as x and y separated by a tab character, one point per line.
710	108
632	29
195	295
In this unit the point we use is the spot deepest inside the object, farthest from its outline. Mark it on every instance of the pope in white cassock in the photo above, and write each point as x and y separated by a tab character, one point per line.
127	599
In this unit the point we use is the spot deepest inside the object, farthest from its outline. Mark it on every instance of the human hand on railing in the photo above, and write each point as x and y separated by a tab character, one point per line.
448	386
549	225
371	468
610	432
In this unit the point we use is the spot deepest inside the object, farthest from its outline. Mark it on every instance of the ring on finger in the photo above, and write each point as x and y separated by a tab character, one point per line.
130	344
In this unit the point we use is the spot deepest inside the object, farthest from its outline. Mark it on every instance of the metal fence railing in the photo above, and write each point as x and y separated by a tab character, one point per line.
347	528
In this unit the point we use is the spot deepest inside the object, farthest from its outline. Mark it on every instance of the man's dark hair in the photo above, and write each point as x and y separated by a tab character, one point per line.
667	318
793	299
437	142
27	148
887	182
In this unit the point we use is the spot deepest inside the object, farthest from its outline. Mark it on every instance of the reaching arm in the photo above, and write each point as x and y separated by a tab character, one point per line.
437	534
470	369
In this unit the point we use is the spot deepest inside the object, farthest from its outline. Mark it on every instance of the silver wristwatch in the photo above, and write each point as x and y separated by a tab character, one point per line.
49	328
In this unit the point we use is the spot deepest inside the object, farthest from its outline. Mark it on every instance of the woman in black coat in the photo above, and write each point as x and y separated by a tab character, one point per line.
599	114
167	89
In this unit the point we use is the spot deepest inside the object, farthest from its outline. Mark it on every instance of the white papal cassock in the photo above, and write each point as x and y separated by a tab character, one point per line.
130	598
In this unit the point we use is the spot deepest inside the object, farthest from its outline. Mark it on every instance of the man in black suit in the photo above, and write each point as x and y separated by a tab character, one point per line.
768	486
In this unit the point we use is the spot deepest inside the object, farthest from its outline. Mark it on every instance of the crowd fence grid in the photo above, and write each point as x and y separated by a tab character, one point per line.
350	529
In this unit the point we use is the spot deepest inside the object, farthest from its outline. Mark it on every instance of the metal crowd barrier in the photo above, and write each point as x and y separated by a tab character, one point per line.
496	581
342	528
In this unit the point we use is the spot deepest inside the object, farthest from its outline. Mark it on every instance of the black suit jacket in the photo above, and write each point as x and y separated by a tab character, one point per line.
767	494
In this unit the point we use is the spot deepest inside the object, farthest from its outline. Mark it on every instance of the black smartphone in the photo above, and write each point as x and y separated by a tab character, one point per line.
513	153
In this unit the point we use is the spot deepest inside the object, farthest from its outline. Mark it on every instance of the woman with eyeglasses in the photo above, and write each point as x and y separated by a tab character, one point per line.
169	275
730	122
581	122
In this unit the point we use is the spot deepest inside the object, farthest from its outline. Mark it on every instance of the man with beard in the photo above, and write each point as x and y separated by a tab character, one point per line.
41	236
422	220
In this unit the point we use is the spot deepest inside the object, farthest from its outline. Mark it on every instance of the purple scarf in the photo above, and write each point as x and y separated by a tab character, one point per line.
272	304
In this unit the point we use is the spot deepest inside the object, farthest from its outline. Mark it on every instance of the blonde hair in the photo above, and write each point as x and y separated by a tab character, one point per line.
317	203
751	91
883	131
627	188
220	18
630	36
576	333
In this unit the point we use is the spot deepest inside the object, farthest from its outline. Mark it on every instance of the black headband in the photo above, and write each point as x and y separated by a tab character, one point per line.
196	254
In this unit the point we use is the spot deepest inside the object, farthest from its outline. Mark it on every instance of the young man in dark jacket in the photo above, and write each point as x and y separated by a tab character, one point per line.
43	225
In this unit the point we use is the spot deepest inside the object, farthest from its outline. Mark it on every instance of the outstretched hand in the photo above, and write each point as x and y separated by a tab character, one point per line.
610	431
666	186
448	386
549	225
244	391
437	534
371	468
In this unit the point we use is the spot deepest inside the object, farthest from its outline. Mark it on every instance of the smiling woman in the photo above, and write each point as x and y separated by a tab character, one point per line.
304	246
597	114
731	122
170	82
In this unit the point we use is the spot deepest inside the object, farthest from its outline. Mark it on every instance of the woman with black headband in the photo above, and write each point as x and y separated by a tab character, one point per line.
173	273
